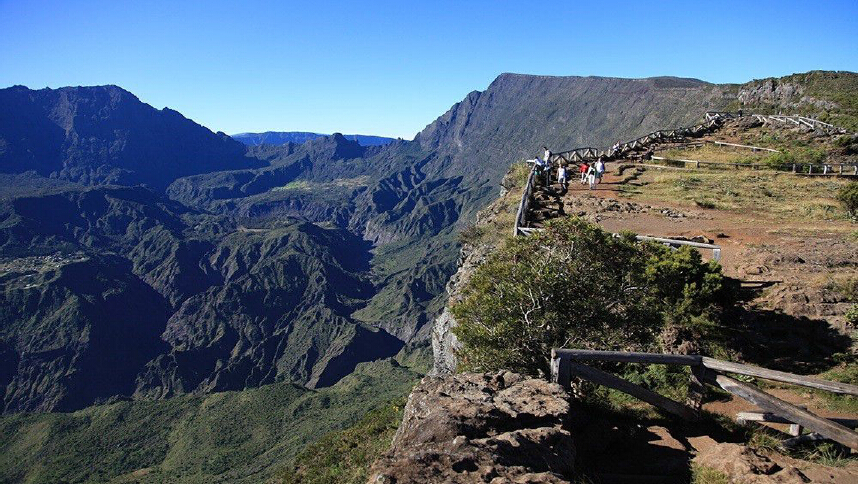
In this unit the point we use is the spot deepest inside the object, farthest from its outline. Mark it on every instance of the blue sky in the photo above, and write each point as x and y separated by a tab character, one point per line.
390	68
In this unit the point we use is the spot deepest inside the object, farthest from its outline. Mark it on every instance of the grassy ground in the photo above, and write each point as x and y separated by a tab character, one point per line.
762	191
711	152
707	475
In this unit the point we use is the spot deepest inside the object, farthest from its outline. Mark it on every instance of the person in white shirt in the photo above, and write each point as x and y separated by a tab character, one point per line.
561	176
600	169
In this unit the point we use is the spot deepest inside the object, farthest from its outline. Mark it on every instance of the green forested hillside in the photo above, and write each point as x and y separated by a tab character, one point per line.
244	436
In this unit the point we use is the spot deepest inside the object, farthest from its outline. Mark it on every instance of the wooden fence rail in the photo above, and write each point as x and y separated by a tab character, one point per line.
566	363
752	148
524	204
826	169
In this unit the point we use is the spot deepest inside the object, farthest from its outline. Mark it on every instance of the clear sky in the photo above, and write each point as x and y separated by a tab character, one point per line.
390	68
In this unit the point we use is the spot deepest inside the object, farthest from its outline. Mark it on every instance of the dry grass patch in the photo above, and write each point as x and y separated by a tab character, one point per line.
720	154
748	191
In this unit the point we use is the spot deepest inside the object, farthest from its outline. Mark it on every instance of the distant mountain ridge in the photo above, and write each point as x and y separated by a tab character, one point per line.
105	134
300	137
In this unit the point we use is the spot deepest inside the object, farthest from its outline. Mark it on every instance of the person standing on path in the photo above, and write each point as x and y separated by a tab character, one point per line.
561	176
583	170
591	176
600	169
547	165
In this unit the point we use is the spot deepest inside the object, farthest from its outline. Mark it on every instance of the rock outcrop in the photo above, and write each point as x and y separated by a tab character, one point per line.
742	464
475	427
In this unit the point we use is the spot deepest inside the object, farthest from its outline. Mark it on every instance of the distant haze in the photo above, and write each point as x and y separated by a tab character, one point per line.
300	137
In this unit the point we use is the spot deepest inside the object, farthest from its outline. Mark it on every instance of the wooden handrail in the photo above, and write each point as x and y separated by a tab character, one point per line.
629	357
710	363
523	204
780	376
754	148
566	362
793	413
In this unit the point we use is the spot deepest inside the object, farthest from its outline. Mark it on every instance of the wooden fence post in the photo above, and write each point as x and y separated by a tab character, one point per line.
560	370
696	388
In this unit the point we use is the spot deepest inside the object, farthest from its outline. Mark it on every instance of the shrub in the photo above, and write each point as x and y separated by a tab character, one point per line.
781	161
848	196
575	285
471	235
852	315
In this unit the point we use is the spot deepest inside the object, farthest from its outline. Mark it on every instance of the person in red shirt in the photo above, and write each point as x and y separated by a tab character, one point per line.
583	169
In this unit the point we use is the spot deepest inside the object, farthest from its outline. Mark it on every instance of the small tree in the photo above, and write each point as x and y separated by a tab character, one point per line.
575	285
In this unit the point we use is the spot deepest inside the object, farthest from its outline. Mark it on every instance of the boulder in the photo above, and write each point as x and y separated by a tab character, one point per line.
474	427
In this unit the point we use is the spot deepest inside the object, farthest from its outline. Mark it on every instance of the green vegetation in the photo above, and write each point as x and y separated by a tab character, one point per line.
575	285
307	186
708	475
765	440
235	436
713	153
852	315
846	373
848	196
345	456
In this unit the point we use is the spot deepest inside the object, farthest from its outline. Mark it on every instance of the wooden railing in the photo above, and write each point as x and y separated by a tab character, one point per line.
749	147
566	363
716	249
637	144
521	221
827	169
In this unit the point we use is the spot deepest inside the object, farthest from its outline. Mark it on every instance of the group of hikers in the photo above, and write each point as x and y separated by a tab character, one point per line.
591	173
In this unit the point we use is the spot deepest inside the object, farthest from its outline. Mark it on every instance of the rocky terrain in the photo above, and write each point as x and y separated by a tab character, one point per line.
481	428
504	427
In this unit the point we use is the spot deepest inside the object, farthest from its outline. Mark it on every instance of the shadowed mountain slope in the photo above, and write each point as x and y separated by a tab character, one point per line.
105	134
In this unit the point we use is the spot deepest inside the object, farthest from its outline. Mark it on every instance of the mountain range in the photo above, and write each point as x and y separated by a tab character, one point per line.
143	256
300	137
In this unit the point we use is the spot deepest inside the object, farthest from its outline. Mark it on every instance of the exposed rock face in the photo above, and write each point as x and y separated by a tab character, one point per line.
782	94
444	342
476	427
